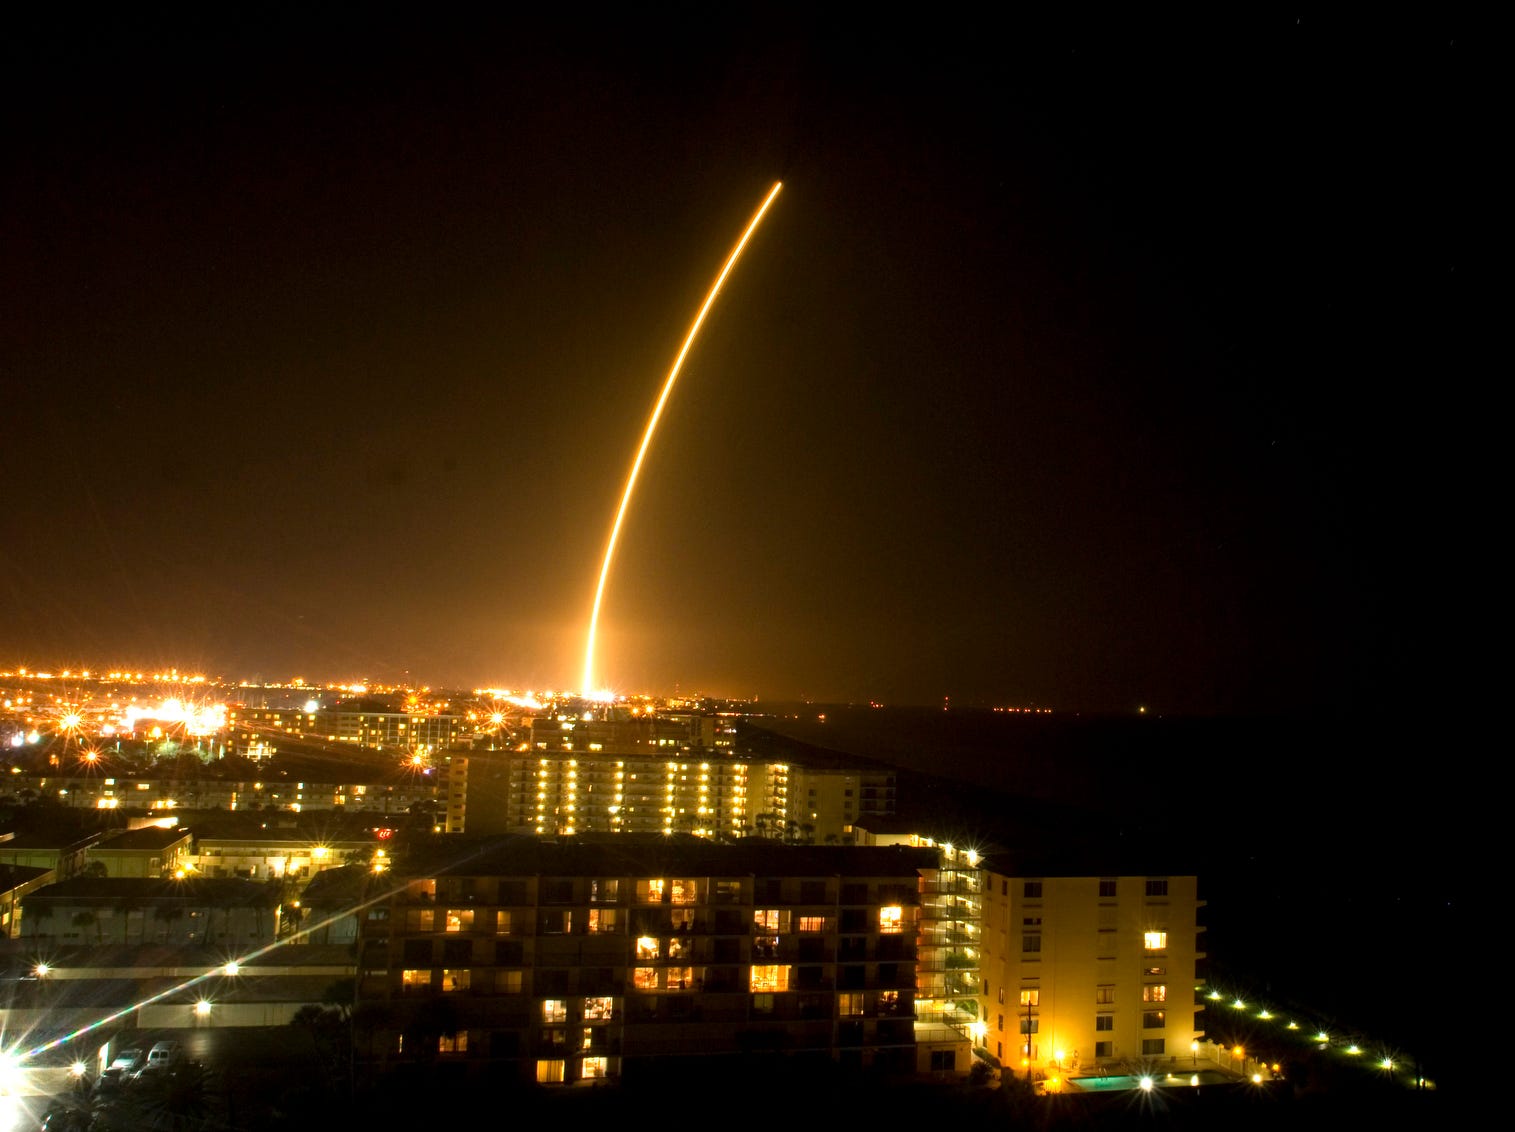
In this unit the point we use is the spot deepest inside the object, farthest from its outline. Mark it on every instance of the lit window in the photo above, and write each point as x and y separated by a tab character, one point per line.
599	1009
685	892
891	919
595	1067
604	891
849	1005
888	1002
1155	971
415	979
770	978
453	1043
650	891
812	923
647	947
680	978
604	921
766	920
1031	997
460	919
1154	992
550	1072
456	979
1154	1019
1155	941
420	920
554	1010
644	978
502	922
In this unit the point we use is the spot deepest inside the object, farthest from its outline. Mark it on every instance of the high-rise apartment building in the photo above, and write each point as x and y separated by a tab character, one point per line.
567	959
1081	973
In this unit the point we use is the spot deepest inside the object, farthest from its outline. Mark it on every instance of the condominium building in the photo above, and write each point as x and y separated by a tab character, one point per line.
1088	972
568	959
257	731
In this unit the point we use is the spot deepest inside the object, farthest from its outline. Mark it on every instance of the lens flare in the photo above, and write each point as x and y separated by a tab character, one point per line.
587	686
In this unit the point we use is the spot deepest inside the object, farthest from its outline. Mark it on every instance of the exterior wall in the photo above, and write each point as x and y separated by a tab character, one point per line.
561	978
152	863
256	731
210	794
1071	955
265	859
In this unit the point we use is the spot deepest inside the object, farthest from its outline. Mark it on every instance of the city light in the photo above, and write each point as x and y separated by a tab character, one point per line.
652	423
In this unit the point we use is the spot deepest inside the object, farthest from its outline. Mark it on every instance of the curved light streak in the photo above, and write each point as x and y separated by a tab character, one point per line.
652	424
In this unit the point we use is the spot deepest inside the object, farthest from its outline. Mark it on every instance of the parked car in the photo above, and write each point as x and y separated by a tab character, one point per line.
127	1064
164	1055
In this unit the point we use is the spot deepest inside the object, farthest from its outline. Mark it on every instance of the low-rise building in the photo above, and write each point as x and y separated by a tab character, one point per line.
99	910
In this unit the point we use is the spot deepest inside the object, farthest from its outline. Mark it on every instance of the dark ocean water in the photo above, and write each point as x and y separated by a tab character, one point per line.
1331	853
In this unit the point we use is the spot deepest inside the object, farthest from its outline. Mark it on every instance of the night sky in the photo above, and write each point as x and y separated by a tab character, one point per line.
1087	365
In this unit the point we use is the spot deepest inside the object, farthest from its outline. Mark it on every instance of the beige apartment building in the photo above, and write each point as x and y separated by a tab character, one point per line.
1085	973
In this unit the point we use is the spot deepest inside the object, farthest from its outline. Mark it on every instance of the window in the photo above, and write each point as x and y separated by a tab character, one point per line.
453	1043
943	1060
762	1004
728	891
599	1009
891	919
769	920
770	978
1154	992
648	947
420	920
550	1072
1153	1047
1107	887
460	919
889	1002
1104	1022
415	980
1157	886
685	891
812	923
1155	971
999	1022
595	1067
604	891
554	1010
680	978
1104	1049
1002	996
1104	995
1032	890
650	891
1154	1019
1031	996
1030	943
508	982
1029	1025
849	1005
644	978
1155	941
502	922
456	979
680	948
556	921
457	952
604	921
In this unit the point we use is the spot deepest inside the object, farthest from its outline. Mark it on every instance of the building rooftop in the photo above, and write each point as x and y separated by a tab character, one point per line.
652	855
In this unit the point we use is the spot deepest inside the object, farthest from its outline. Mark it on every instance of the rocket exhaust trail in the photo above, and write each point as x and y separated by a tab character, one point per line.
652	424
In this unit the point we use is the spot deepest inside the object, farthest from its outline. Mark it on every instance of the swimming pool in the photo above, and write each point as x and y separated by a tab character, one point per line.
1115	1083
